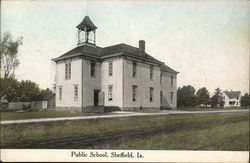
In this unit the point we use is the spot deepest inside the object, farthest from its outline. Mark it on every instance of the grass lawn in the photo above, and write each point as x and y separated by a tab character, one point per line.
209	109
233	136
42	114
206	132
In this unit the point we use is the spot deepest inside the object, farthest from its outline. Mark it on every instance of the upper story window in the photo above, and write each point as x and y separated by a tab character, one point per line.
171	97
134	87
151	72
110	68
75	92
67	71
160	76
134	69
110	92
151	94
92	69
172	80
60	92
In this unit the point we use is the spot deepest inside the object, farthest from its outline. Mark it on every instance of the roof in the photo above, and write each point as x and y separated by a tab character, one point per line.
166	68
83	50
86	24
232	94
126	49
111	51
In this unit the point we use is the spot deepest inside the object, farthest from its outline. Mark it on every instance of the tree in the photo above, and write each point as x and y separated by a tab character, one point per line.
8	54
186	96
44	93
24	91
28	91
245	100
9	89
202	96
217	99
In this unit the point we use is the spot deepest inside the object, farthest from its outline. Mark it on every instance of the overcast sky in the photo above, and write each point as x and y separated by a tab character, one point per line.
206	41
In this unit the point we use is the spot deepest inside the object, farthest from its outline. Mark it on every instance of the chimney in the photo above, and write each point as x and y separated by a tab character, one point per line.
142	47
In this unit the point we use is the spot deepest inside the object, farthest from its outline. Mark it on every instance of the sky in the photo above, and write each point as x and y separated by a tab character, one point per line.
206	41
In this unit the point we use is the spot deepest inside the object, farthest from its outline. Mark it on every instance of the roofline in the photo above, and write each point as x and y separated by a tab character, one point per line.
75	55
176	72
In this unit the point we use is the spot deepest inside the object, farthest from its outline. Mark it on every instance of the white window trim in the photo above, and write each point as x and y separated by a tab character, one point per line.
171	97
172	80
60	92
134	69
151	94
67	70
110	69
94	70
151	72
76	92
110	93
134	93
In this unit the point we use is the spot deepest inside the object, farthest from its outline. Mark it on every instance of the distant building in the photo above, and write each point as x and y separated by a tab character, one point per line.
231	98
89	77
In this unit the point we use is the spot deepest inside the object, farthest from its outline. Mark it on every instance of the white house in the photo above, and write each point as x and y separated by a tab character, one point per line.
231	98
90	77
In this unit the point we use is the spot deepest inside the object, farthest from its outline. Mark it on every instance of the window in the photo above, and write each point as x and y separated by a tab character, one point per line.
60	92
171	97
67	71
134	93
231	102
110	92
110	68
161	97
172	80
75	92
151	93
151	72
134	69
92	69
160	76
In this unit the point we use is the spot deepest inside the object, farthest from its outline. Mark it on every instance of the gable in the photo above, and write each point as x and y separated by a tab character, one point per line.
232	94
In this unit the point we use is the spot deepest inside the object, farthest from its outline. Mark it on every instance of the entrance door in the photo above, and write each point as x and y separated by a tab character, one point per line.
96	92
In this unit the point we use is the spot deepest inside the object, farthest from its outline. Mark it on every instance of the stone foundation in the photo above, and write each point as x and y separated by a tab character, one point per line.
69	109
102	109
141	109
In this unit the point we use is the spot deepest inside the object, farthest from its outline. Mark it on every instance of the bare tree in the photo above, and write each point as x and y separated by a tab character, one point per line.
8	54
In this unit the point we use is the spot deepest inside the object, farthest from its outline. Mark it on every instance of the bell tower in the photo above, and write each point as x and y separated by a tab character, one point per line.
86	32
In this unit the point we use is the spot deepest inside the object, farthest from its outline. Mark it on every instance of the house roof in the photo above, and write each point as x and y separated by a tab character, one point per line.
83	50
86	24
166	68
232	94
110	51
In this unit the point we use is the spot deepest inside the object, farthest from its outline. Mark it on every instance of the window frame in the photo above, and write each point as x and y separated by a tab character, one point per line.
76	92
110	92
67	70
134	69
134	93
151	94
161	96
172	80
110	68
60	92
171	97
92	68
151	73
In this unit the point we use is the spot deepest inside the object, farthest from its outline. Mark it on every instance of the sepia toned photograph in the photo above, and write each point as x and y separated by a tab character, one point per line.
125	81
